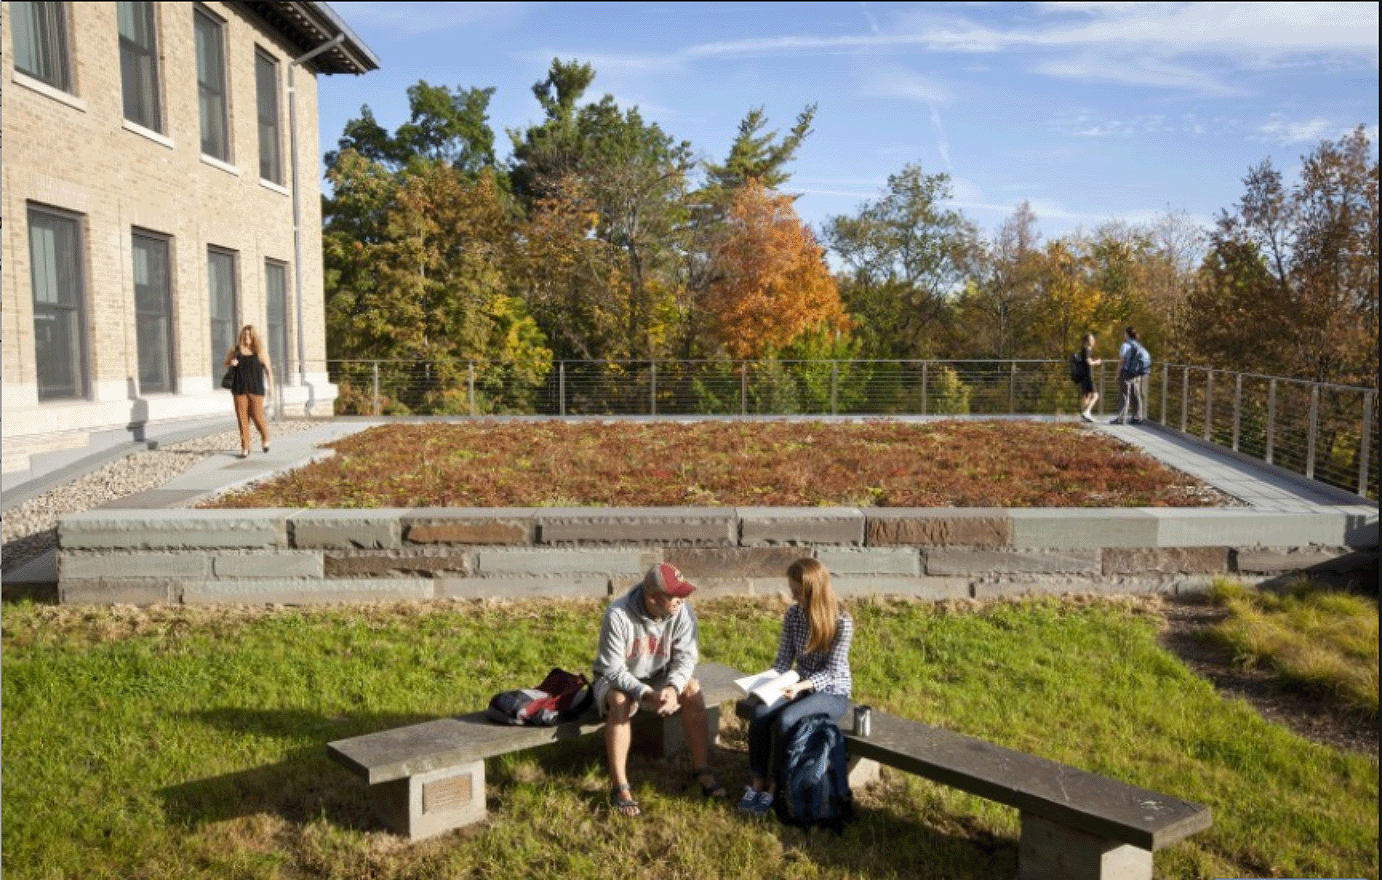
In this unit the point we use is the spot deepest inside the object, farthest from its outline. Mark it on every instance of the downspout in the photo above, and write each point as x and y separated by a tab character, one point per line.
297	202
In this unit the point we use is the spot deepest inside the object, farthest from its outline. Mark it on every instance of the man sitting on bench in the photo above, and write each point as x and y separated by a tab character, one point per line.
649	646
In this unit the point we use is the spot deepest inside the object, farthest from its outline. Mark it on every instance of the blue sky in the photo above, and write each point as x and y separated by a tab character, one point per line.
1092	112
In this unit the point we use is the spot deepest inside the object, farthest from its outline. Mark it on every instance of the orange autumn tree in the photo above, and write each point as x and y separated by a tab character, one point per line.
770	283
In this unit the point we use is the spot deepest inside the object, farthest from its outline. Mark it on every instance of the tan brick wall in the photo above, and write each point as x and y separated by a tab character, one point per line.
76	153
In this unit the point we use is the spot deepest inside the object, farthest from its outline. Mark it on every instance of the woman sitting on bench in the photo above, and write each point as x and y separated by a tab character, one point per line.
815	639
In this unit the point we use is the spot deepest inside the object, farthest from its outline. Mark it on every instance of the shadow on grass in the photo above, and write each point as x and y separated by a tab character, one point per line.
307	785
881	841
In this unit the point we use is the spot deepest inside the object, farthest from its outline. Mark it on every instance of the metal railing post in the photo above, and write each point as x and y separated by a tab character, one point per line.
561	387
375	406
1012	387
1184	398
1271	421
1313	431
834	382
743	388
1165	383
925	376
1208	404
470	385
1365	450
1237	408
652	389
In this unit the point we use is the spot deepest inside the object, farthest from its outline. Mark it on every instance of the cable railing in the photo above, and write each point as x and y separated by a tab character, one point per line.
1325	432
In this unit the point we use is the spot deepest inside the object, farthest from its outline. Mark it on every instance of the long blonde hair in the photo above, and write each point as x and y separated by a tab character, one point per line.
817	601
256	344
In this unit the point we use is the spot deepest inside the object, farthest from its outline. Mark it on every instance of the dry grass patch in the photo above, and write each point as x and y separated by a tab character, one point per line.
553	463
1321	642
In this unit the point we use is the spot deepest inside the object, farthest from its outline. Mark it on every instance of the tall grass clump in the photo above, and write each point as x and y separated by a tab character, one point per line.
1317	640
189	743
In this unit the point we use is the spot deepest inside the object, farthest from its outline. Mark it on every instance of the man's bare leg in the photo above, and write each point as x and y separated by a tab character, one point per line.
693	715
619	710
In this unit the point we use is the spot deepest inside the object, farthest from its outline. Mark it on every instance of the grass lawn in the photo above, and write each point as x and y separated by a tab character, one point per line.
174	742
554	463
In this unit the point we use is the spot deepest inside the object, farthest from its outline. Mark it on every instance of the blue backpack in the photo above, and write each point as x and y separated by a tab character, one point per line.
1139	360
813	783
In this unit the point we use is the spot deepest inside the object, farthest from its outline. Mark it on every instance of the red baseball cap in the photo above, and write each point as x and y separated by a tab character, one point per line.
665	578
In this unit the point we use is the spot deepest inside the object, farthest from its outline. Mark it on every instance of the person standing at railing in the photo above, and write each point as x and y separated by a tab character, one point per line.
1085	367
1134	363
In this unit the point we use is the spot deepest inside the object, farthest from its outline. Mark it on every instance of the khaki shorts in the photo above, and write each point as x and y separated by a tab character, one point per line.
604	684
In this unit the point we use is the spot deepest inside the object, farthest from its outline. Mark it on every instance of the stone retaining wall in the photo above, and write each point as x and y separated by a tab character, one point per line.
294	556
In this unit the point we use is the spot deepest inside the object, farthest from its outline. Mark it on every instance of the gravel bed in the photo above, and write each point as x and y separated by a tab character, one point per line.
29	529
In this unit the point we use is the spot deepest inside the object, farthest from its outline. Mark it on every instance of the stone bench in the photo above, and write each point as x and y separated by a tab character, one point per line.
428	778
1076	825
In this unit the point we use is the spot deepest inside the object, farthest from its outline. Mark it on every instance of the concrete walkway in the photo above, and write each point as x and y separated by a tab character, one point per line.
1260	486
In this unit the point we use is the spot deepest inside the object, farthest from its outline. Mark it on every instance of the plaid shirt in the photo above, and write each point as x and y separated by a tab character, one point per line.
828	672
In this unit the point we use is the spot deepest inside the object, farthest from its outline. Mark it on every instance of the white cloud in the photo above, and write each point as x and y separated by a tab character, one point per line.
1136	43
888	81
1286	132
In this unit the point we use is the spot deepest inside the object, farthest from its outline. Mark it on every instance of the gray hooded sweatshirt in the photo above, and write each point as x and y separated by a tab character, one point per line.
635	647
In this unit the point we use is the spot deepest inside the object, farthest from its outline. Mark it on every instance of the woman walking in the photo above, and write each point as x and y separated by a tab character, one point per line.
1088	395
252	374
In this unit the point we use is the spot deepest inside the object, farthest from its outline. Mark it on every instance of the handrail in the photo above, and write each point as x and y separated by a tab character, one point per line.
1324	431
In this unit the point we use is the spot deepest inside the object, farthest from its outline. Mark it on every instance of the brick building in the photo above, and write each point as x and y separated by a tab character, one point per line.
161	188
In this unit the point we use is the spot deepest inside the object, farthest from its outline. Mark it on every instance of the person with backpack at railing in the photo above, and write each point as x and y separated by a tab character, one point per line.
1134	363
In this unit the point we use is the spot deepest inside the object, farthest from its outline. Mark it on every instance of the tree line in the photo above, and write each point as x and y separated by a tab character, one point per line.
601	238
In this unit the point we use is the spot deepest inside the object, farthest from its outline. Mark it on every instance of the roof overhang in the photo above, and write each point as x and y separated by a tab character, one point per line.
305	26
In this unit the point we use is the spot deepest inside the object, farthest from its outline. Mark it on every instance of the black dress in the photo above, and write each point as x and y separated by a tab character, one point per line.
249	375
1086	374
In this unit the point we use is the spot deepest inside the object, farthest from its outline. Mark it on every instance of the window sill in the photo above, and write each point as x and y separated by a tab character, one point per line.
219	165
48	91
276	187
149	133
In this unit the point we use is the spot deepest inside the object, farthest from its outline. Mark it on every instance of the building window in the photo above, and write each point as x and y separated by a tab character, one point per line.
211	85
276	296
40	42
56	273
139	64
270	151
221	285
153	313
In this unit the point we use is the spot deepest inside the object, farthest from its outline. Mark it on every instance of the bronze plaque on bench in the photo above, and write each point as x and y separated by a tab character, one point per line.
447	794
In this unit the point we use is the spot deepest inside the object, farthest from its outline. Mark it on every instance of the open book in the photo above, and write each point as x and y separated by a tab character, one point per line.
767	685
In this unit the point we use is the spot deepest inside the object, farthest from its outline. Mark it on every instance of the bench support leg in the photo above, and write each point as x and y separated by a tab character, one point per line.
1049	851
429	804
862	772
665	737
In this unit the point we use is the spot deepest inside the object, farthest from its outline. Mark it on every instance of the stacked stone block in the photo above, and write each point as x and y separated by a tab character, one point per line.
292	556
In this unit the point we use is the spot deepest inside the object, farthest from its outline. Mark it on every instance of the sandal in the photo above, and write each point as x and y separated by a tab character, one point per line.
621	798
714	789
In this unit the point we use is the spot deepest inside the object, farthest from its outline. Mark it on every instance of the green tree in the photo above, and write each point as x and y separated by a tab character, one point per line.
444	125
1290	284
418	241
438	294
758	155
629	174
906	257
997	307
